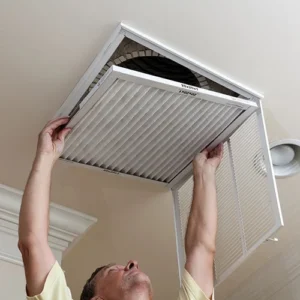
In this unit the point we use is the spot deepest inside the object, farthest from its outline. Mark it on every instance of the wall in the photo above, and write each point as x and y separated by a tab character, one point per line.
12	281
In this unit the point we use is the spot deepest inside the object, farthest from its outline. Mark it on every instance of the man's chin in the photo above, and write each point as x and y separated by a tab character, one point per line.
140	278
142	284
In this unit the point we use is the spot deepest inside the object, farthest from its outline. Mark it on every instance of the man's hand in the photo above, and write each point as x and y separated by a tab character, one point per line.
207	162
34	215
52	139
200	238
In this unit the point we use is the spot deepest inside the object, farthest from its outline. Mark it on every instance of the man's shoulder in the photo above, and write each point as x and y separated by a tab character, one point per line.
55	286
190	290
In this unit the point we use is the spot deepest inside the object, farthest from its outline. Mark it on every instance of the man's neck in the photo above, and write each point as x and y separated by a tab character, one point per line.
139	294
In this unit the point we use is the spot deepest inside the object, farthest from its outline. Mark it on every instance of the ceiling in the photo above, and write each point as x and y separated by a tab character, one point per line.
47	46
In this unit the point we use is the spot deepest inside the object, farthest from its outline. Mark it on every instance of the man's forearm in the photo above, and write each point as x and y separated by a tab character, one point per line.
37	256
34	214
200	238
202	223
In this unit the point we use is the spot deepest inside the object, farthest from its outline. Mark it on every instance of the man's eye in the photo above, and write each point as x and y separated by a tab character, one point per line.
112	270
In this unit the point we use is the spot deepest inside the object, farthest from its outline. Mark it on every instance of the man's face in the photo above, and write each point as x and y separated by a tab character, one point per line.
117	282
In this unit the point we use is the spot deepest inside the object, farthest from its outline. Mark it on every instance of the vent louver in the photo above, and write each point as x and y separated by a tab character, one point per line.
248	211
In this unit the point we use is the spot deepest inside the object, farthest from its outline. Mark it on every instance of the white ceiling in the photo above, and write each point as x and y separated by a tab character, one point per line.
46	46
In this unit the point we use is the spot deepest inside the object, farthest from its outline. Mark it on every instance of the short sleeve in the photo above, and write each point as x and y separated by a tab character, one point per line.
190	290
55	286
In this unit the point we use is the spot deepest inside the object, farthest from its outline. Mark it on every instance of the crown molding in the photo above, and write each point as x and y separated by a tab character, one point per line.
65	228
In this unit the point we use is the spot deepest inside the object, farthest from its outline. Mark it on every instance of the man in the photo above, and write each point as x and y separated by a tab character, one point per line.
45	279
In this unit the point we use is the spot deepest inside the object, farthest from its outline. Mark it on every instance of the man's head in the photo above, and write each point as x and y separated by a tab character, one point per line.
117	282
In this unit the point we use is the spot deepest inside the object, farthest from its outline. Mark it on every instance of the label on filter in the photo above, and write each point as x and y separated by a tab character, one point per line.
189	87
187	93
191	90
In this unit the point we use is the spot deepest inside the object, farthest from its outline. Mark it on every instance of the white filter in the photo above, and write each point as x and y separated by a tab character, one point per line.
141	125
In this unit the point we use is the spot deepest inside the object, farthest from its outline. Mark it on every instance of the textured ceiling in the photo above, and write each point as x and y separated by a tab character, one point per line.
46	47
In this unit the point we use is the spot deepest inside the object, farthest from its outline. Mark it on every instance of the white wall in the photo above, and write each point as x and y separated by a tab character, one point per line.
12	281
66	228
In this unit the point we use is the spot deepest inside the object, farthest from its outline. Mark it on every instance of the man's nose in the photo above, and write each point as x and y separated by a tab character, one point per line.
131	264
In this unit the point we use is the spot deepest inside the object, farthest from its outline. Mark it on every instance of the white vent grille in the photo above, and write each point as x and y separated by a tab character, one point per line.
248	212
149	127
229	243
251	182
275	279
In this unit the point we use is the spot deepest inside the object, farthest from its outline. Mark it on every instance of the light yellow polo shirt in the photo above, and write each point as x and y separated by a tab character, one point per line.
56	287
190	290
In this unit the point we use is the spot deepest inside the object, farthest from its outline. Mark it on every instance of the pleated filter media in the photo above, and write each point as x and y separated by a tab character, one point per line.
141	125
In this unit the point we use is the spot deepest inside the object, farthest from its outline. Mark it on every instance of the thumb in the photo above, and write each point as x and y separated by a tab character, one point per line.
63	133
203	154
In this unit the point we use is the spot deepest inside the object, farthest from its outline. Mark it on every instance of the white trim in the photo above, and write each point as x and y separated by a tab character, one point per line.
176	87
11	259
178	235
65	228
269	169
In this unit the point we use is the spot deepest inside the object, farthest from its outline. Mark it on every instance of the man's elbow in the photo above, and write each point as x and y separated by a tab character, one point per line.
28	243
194	245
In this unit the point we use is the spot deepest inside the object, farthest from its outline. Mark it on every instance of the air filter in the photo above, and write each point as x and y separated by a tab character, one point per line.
137	124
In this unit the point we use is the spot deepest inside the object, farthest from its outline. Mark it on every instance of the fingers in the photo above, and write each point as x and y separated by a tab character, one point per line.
204	152
63	133
200	159
202	155
208	161
220	150
52	125
216	152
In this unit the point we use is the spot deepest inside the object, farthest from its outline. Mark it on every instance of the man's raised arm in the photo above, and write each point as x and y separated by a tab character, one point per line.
34	215
201	230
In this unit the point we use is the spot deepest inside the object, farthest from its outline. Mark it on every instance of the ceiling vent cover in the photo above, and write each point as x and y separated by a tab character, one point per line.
144	110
